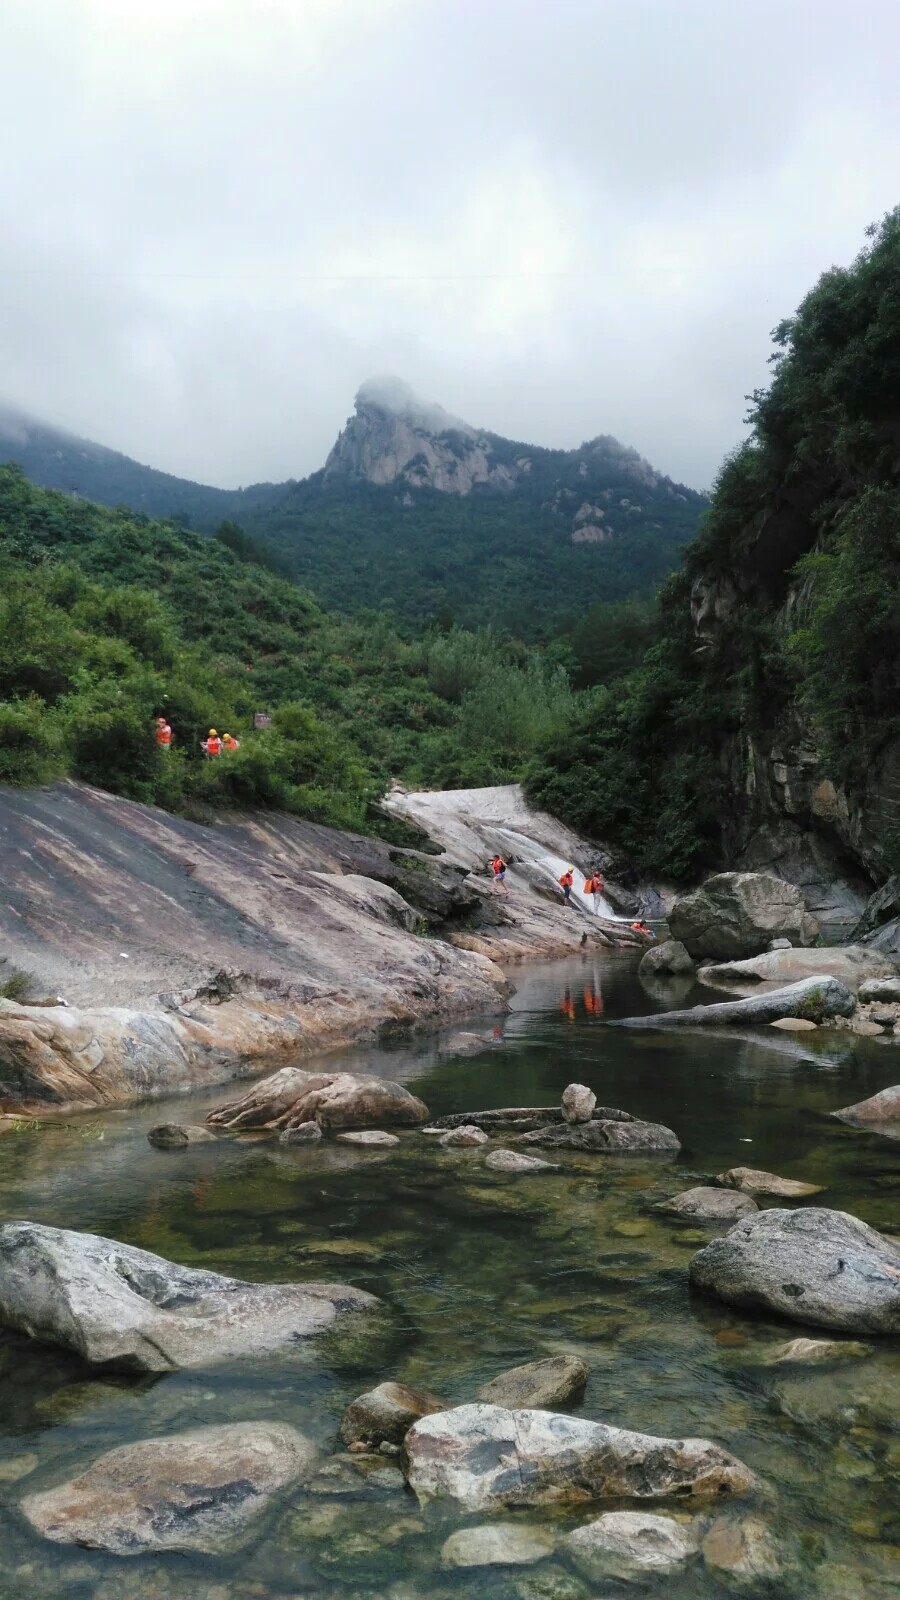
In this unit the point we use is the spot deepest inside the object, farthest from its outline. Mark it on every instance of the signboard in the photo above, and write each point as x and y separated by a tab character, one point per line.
262	719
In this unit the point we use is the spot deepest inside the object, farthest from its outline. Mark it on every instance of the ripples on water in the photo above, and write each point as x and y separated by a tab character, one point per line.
483	1270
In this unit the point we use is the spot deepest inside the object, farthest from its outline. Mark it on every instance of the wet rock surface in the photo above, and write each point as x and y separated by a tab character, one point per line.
709	1205
112	1303
631	1545
605	1137
497	1544
668	959
177	1136
742	1548
825	997
337	1101
485	1457
882	1107
196	1491
515	1161
466	1137
370	1139
816	1352
554	1381
854	965
385	1414
736	914
749	1180
821	1267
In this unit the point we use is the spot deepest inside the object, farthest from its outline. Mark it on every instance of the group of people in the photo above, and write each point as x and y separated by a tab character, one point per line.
593	885
213	745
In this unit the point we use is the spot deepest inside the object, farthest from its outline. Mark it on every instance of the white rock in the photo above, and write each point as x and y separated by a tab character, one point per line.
631	1546
496	1544
370	1136
463	1138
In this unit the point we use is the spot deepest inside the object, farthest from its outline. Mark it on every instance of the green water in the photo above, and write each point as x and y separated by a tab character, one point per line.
482	1270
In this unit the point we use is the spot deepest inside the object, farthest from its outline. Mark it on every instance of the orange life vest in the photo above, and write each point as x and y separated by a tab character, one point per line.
566	880
231	744
163	734
214	747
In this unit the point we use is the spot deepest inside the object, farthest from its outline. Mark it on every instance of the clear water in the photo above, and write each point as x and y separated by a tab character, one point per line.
484	1270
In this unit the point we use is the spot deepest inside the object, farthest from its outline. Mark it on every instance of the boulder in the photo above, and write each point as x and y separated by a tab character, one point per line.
578	1103
497	1544
880	990
813	1352
606	1138
853	964
794	1024
737	914
882	910
881	1107
818	998
742	1548
110	1302
304	1133
709	1205
669	959
178	1135
552	1381
750	1181
196	1491
462	1138
516	1161
335	1100
631	1546
371	1138
384	1415
779	944
811	1265
486	1457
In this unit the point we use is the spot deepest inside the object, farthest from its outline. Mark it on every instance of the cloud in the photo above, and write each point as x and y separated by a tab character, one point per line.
223	215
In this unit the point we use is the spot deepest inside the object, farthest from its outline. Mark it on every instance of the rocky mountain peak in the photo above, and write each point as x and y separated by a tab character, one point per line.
394	436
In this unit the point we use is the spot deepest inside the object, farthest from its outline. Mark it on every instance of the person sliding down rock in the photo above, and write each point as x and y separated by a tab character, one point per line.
498	876
565	883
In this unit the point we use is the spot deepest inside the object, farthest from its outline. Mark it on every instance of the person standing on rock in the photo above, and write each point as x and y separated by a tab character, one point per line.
498	875
594	886
565	883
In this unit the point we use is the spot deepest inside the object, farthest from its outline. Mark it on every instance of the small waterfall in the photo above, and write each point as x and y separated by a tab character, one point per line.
523	848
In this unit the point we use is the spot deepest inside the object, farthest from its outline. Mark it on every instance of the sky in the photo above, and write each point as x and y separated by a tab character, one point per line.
557	220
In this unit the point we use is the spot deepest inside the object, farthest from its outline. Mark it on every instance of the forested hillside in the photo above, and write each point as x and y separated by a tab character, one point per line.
402	521
764	722
108	619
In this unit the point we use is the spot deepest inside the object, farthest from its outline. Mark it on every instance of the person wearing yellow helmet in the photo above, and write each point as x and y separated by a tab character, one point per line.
230	743
212	744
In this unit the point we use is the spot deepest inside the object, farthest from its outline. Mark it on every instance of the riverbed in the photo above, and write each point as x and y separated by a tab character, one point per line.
482	1270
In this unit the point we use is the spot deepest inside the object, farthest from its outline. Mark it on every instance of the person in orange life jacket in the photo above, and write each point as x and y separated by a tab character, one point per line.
641	928
594	886
229	743
498	876
163	734
212	744
565	883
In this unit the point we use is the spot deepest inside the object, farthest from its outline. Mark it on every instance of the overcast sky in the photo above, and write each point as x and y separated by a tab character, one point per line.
556	217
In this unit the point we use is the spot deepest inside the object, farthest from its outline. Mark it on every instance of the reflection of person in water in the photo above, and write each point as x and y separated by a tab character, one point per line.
593	1000
567	1005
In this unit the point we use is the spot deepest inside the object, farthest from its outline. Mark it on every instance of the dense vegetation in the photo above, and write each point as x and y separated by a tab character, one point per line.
107	619
796	577
493	557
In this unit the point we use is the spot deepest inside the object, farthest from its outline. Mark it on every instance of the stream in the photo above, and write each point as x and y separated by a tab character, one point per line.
483	1270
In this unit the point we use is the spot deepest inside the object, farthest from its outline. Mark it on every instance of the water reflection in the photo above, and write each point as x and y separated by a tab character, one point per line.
481	1271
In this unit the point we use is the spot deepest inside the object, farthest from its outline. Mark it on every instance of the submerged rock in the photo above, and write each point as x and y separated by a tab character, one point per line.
736	914
743	1548
335	1100
751	1181
812	1352
607	1138
497	1544
384	1415
178	1135
485	1457
578	1103
883	1107
374	1138
632	1545
195	1491
554	1381
112	1303
515	1161
818	998
462	1138
304	1133
817	1266
712	1205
